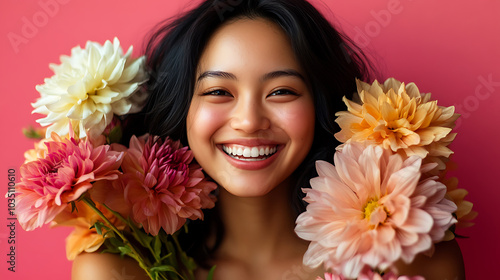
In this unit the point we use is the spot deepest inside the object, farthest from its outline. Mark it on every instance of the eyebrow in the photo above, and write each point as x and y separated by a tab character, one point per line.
217	74
267	76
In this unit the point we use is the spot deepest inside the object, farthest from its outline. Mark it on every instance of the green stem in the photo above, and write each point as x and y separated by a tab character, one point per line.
135	255
134	229
179	249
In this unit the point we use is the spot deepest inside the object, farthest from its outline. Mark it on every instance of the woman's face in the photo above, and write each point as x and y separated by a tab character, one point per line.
251	120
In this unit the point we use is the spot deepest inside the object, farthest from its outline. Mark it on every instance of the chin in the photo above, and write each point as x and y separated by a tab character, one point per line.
247	191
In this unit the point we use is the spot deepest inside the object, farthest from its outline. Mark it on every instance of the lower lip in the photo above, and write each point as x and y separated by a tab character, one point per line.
251	165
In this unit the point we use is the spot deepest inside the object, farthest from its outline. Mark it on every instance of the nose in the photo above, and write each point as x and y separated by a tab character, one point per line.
250	116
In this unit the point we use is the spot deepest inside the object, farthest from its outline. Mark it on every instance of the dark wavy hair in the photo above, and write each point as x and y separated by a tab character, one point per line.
330	61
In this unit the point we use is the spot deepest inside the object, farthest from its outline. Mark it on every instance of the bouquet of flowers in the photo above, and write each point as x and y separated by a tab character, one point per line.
133	200
387	197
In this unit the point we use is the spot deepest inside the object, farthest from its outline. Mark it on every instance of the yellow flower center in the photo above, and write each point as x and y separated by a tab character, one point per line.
374	213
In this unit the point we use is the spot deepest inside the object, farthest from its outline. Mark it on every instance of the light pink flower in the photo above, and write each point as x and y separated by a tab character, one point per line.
68	169
371	208
163	186
330	276
368	274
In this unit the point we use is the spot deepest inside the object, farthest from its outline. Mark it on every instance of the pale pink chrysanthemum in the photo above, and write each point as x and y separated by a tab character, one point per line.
371	208
163	186
67	170
368	274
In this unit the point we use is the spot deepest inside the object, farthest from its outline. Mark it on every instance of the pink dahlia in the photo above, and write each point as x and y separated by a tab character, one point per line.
331	276
163	186
369	274
371	208
67	170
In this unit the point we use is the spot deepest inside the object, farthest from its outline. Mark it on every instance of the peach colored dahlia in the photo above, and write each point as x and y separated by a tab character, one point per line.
163	186
399	118
371	208
38	152
67	170
83	238
464	214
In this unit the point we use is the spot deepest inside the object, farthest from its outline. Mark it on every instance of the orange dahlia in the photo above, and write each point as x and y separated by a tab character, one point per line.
400	118
83	238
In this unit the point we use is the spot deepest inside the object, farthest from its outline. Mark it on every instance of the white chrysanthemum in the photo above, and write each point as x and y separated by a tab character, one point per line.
88	87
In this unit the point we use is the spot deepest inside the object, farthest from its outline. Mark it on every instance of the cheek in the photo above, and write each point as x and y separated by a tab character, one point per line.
298	122
201	124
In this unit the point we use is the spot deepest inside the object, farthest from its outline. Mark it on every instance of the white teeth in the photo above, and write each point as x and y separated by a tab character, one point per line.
254	152
249	152
246	152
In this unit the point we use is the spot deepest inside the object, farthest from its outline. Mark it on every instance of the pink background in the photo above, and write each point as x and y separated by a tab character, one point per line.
449	48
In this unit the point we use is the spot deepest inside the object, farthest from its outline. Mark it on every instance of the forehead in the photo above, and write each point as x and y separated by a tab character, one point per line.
248	43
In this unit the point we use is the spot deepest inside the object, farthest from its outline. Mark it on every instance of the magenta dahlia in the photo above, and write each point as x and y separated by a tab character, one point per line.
163	185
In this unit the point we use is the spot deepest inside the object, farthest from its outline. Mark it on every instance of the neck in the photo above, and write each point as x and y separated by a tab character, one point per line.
259	229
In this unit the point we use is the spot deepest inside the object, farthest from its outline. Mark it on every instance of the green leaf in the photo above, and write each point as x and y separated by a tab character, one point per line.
163	268
111	251
188	262
141	236
210	275
124	250
73	207
172	251
99	226
154	275
115	242
115	135
33	133
165	257
157	246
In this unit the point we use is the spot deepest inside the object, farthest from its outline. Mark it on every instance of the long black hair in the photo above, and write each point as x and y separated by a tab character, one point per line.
330	61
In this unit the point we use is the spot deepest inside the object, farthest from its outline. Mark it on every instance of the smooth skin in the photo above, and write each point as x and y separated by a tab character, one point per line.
250	92
254	95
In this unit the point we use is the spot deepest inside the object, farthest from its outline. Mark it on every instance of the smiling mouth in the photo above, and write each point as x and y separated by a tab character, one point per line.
249	153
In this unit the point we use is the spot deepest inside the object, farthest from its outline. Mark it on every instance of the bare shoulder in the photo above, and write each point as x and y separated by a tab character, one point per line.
445	264
98	266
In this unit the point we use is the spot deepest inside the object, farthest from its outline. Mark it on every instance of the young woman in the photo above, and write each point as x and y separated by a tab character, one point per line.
252	87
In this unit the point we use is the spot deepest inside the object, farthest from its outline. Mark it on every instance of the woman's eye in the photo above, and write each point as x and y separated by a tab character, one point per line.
283	92
217	92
